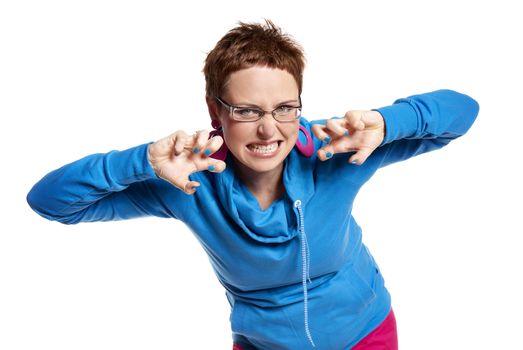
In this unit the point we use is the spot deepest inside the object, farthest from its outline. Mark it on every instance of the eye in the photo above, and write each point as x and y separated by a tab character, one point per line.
284	109
247	112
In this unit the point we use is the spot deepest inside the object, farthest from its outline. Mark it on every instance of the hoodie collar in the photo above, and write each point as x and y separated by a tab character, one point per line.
277	223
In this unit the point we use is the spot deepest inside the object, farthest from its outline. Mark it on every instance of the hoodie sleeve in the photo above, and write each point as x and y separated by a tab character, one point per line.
117	185
423	123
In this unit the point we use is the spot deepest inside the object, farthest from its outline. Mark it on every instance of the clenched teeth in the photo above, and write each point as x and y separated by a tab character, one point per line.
263	148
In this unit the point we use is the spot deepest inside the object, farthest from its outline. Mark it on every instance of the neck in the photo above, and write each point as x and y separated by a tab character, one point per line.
269	183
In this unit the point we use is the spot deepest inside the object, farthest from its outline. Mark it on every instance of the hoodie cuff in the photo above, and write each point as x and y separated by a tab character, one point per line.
401	121
130	165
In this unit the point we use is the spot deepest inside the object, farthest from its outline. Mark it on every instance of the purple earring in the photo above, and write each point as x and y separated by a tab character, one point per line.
308	149
221	154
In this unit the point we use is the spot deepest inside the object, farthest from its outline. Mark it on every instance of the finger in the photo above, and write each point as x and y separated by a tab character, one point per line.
360	156
354	119
190	187
182	139
337	126
341	145
216	166
201	138
320	131
213	145
325	152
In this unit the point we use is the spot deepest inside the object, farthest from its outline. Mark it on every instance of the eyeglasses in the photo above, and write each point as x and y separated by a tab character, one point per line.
283	113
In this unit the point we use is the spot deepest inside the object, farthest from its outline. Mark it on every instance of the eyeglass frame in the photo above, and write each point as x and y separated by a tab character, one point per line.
273	112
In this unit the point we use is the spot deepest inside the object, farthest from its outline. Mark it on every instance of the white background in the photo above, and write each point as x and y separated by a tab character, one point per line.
85	77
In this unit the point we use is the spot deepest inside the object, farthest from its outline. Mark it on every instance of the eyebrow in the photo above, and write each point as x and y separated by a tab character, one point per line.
253	105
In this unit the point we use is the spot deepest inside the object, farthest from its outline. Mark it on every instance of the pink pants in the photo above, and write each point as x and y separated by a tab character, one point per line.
384	337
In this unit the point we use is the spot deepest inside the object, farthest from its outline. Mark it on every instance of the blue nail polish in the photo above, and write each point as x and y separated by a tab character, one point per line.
210	167
195	150
328	154
207	152
327	139
346	133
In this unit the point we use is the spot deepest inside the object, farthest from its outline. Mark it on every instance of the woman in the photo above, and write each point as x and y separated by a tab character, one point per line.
270	204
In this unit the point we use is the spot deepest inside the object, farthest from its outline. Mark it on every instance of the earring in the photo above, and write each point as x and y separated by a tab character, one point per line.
308	149
221	154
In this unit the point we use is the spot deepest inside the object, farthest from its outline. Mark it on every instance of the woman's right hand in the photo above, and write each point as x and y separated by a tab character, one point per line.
178	155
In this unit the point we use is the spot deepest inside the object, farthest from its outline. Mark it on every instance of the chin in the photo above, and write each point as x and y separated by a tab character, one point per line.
263	166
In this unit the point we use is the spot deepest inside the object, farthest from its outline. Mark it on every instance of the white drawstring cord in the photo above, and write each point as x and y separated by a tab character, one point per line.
305	271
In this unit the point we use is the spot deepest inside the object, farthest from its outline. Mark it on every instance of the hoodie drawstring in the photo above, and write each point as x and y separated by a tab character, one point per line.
305	256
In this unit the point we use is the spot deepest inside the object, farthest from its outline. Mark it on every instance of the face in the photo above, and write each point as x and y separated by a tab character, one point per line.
260	146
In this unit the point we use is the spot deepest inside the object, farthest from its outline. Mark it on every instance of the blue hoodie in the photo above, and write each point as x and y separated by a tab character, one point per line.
296	274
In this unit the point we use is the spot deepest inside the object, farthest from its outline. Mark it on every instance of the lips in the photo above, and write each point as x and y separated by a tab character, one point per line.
264	143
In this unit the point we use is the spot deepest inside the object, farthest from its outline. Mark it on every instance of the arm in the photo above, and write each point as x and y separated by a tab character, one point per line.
100	187
124	184
411	126
426	122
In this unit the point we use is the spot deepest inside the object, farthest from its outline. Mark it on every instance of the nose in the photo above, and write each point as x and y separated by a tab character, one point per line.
266	126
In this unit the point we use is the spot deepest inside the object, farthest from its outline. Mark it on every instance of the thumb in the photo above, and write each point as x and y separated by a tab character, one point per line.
190	187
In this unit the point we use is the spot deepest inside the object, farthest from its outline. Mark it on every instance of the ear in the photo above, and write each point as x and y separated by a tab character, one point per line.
213	108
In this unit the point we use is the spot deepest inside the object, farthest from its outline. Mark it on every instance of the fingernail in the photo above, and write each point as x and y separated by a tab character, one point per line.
346	133
328	154
210	167
195	150
327	139
355	161
207	152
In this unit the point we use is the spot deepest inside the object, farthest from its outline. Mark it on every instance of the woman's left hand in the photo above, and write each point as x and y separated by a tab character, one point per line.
359	131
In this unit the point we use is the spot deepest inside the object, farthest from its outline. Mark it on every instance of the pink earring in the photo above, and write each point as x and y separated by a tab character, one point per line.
308	149
221	154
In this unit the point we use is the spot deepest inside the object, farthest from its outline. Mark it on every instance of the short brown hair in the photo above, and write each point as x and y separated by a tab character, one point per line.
248	45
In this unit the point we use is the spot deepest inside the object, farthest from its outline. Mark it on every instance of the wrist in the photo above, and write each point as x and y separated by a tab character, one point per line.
399	121
150	160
